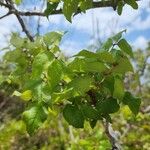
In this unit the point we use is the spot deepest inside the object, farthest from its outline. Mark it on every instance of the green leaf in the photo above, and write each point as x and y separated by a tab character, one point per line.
17	41
41	63
33	118
81	85
55	72
26	95
87	54
123	66
118	88
118	36
89	112
106	46
93	123
85	4
100	55
132	102
69	8
132	3
108	106
65	94
50	8
87	65
53	38
124	46
120	7
106	57
73	116
109	83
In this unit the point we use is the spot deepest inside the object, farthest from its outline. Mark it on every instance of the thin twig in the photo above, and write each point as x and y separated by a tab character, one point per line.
5	15
15	12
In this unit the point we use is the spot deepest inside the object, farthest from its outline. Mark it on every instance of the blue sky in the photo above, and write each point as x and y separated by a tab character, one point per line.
82	32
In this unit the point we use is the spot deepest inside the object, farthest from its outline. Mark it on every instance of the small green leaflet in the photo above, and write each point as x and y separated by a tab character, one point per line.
120	7
106	46
50	8
124	46
73	116
132	102
69	8
132	3
34	117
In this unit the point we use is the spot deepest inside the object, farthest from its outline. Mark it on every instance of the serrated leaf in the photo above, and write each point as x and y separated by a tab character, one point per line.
124	46
108	106
132	102
33	118
73	116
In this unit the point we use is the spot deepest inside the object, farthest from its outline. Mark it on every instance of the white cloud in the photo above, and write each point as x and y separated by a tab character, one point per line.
140	42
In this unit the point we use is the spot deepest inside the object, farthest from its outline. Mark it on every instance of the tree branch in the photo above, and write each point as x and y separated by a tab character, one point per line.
14	11
101	4
112	140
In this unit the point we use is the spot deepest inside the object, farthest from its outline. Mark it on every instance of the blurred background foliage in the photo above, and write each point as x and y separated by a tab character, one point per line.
130	132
